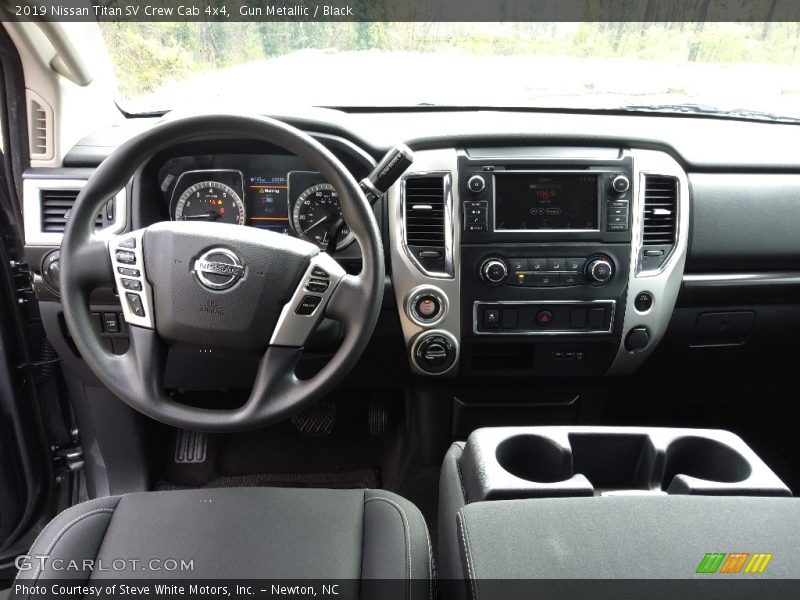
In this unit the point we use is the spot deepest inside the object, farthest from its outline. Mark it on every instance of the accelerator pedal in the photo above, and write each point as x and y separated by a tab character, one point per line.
378	417
316	420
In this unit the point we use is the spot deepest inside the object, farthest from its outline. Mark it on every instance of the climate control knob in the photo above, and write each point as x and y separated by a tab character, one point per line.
494	271
599	270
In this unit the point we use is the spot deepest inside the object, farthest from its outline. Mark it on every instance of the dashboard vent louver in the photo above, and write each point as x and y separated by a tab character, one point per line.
56	207
660	210
40	141
427	222
425	212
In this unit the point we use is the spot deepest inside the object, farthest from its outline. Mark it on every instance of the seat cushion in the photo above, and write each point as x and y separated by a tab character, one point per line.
242	533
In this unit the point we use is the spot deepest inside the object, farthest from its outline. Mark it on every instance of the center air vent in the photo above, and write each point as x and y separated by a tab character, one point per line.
426	218
56	207
659	228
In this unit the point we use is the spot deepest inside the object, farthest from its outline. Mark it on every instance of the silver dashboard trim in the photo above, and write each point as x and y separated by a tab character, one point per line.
664	284
447	178
406	274
479	303
32	210
741	279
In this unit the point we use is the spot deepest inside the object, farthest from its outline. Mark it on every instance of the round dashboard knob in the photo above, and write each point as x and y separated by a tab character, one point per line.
494	270
620	184
599	269
476	184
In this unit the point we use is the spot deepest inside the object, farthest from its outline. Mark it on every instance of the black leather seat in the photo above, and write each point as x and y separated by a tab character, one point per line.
246	533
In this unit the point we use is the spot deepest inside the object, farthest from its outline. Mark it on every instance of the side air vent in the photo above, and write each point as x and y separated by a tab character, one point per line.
426	216
56	207
39	138
660	221
40	127
660	210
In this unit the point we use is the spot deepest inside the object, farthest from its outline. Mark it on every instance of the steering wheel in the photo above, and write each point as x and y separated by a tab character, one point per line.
219	285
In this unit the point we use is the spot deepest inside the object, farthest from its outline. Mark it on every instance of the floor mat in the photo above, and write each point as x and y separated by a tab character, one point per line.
360	478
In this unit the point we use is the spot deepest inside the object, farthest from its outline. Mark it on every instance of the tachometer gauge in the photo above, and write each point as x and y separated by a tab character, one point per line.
315	213
210	201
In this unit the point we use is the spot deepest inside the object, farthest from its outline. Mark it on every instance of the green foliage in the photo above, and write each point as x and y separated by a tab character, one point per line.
148	55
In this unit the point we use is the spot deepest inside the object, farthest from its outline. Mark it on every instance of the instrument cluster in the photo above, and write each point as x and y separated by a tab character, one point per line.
269	192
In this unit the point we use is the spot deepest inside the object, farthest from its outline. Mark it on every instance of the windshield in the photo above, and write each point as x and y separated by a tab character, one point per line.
751	68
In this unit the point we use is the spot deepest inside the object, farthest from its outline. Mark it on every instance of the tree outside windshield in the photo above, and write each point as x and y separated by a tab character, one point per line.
160	66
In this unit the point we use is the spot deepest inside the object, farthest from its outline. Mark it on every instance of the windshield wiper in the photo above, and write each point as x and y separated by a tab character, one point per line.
705	109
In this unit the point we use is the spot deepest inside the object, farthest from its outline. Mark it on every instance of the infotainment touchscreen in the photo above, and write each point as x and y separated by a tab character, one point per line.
542	201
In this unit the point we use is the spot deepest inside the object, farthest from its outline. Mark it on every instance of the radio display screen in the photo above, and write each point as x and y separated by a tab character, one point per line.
546	201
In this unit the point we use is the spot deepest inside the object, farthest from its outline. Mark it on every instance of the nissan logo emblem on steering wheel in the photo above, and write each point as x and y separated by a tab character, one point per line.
218	269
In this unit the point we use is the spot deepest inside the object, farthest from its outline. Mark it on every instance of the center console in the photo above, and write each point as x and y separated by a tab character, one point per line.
612	512
537	261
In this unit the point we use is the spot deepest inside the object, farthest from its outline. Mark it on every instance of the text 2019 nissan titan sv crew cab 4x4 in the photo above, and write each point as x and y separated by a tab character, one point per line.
376	307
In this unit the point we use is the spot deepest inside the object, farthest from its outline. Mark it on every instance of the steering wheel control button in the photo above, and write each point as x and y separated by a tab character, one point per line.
111	323
320	272
643	302
128	258
476	184
128	272
218	269
128	243
135	304
637	339
317	285
132	284
434	352
308	305
544	318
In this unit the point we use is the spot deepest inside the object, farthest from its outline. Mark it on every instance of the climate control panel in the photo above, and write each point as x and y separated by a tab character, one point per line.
547	271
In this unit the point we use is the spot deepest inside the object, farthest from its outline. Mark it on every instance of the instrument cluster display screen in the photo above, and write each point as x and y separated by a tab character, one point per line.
546	201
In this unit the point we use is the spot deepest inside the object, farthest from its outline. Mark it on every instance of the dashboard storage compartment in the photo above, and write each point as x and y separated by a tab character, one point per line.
536	462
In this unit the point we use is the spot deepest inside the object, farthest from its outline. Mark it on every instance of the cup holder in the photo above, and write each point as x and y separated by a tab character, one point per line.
704	458
534	458
568	461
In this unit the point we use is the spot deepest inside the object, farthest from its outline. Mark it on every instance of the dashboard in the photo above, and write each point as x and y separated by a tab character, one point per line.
590	246
272	192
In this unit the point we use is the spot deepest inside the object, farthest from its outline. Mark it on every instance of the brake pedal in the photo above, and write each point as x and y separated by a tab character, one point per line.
191	447
316	420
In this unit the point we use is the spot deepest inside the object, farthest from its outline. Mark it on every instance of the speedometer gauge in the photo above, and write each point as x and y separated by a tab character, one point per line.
315	213
210	201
